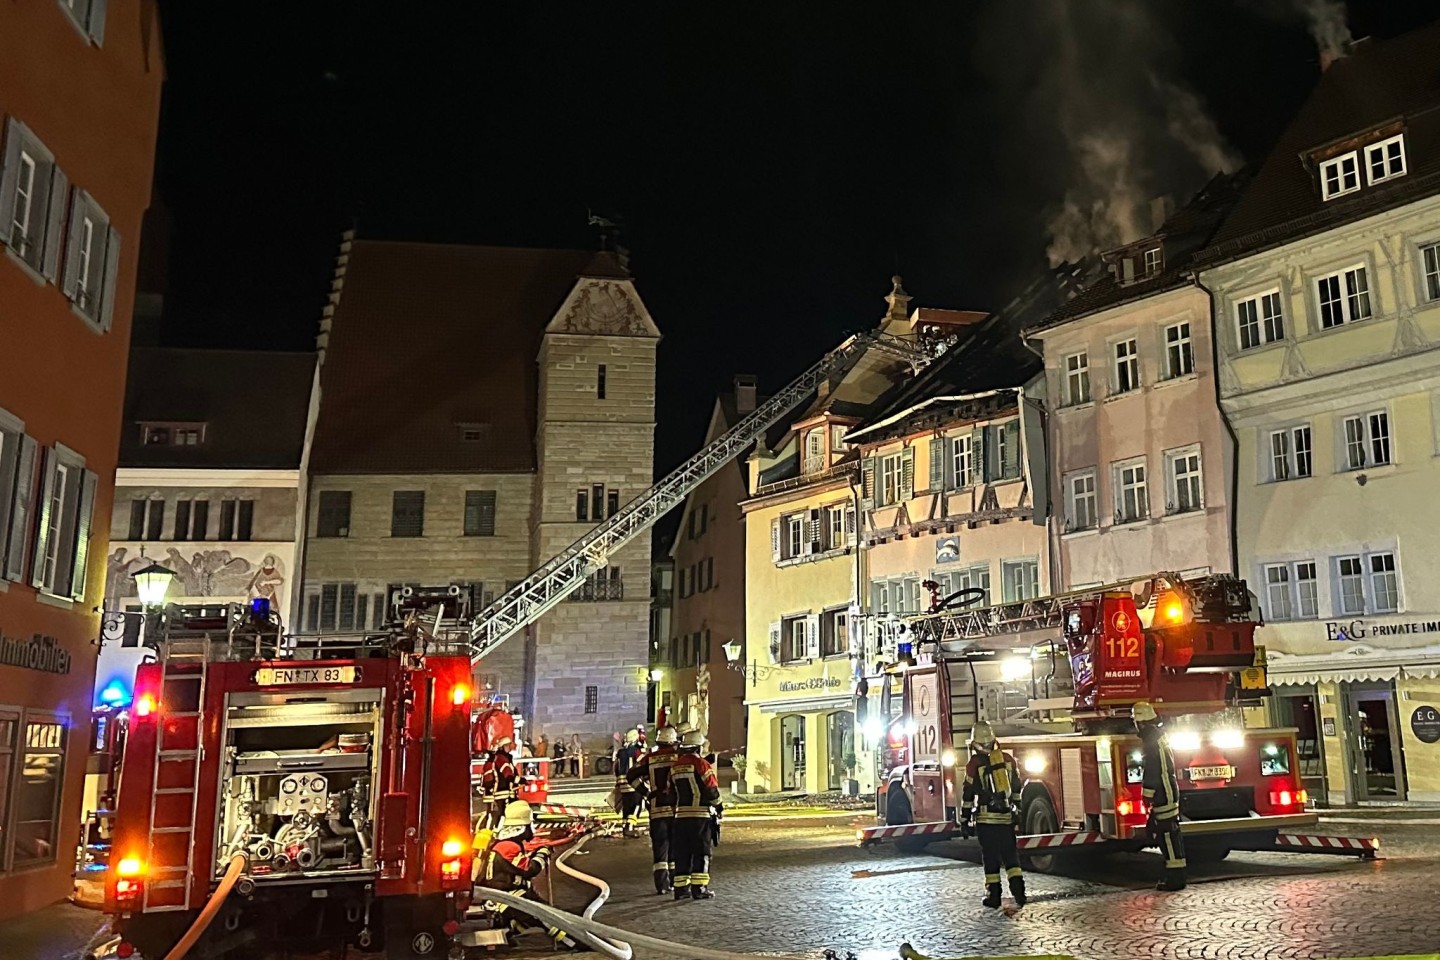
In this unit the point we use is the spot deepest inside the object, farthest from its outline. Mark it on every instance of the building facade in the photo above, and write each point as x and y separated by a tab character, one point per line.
709	607
79	103
1327	306
468	442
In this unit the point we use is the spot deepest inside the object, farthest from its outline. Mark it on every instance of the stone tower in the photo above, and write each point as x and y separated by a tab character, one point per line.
586	660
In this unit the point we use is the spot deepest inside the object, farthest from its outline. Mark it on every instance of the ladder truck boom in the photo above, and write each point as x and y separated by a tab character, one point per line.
547	586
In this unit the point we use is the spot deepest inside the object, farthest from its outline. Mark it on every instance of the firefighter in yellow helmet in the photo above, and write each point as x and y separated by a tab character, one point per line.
512	863
1161	789
626	758
990	809
650	776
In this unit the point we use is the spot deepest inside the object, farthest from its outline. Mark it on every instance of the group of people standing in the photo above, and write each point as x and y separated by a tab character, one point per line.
678	784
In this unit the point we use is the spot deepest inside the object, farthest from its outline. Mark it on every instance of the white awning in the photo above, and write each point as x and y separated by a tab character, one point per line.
803	704
1353	663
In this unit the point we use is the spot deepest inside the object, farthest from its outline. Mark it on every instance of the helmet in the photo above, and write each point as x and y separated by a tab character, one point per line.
518	818
631	736
983	734
502	742
692	740
1143	712
667	734
685	727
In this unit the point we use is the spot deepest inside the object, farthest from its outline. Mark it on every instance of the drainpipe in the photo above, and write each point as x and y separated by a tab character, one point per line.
1052	530
1234	492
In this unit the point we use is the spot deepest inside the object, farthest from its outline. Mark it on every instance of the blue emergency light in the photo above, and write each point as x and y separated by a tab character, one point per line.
260	608
115	694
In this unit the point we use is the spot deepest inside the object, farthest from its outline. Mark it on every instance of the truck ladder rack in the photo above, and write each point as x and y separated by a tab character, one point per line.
547	586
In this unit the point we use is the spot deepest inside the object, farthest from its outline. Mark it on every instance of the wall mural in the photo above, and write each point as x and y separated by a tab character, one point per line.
207	573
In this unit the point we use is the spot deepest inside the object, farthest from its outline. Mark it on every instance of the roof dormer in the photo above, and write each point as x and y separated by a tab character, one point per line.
1359	161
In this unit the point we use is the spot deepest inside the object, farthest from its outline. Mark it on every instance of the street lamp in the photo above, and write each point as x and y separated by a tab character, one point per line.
152	583
656	674
754	671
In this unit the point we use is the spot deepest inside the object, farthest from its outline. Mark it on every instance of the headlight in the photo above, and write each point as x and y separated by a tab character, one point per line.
1184	740
1036	763
872	728
1228	739
947	759
1014	668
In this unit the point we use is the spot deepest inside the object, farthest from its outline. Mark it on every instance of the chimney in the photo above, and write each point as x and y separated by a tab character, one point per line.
1160	210
745	392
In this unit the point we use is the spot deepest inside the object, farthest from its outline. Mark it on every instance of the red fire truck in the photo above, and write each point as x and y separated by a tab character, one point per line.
338	767
1057	678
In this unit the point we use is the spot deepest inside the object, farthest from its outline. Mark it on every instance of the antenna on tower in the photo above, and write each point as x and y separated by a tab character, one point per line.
609	228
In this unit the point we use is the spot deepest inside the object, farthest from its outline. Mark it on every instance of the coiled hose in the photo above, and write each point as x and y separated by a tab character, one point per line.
212	907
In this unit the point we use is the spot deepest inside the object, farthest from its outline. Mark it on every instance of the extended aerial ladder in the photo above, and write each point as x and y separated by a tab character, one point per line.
547	586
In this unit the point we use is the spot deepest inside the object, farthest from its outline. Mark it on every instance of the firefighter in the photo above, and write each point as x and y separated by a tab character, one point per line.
651	776
497	779
512	863
1161	789
626	758
990	805
697	804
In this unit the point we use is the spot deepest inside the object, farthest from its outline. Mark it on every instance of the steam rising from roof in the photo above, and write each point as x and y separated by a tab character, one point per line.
1327	26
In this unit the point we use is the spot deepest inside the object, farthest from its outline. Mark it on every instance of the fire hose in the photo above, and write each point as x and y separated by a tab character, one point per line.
212	907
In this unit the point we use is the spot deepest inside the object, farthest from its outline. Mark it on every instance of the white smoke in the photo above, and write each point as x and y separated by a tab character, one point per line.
1192	128
1107	206
1327	26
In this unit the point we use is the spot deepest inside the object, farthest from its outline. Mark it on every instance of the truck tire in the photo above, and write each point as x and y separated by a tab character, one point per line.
1039	817
897	814
1206	852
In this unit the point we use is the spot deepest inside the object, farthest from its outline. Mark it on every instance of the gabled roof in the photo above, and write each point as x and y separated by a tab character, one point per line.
253	404
1379	82
428	337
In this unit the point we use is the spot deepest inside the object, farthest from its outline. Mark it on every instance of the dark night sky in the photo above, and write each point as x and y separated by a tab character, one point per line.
773	166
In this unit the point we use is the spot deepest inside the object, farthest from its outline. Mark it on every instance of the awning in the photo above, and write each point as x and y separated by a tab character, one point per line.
803	704
1353	663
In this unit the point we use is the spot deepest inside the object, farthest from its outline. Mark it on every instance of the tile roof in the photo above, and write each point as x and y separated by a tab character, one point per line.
426	337
1379	82
253	403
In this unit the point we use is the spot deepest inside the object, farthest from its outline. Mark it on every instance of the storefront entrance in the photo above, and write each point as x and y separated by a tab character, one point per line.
840	747
1298	707
1373	739
792	752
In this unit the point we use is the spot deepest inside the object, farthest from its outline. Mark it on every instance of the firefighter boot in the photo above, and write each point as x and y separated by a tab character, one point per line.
662	880
992	897
1174	880
702	892
1017	890
562	939
700	884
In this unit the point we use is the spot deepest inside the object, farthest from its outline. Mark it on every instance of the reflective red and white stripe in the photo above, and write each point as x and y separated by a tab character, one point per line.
1072	838
1305	841
907	830
560	809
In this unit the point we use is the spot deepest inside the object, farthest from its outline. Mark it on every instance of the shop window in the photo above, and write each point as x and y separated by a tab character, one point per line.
35	793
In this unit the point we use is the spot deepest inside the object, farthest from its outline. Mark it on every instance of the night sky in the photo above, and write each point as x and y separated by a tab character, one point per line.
773	167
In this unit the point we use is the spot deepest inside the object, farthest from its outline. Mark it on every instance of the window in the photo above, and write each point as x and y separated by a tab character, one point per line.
237	518
1291	453
612	503
1132	499
600	382
407	513
889	479
592	699
333	516
1339	176
1430	257
1307	588
36	801
1020	580
1152	261
479	513
1350	585
834	633
1367	440
1261	320
1080	512
1385	160
1077	378
91	260
973	578
1179	357
582	504
1343	297
89	16
62	536
607	583
1384	587
684	582
1127	366
33	192
962	454
1183	474
709	572
597	502
814	451
147	520
473	432
835	526
1280	602
794	535
793	638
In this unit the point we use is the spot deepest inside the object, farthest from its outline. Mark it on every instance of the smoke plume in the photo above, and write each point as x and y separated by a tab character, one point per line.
1327	26
1112	127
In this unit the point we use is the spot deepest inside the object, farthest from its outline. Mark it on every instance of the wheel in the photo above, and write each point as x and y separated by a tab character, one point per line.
898	813
1039	817
1206	853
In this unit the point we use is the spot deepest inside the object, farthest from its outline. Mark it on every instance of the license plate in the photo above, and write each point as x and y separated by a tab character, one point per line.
1226	772
290	676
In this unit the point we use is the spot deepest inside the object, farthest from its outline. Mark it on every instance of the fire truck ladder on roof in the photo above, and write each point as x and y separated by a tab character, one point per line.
525	602
176	794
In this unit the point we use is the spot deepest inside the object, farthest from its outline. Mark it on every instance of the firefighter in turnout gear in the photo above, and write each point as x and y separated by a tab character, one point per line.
990	805
697	804
651	776
626	758
1161	789
512	863
497	781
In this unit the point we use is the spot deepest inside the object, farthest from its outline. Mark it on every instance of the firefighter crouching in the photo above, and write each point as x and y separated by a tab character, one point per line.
625	758
1161	789
990	803
693	840
650	775
512	863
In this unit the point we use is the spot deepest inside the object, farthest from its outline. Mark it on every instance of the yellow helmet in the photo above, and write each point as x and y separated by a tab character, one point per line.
1143	712
518	818
667	734
631	736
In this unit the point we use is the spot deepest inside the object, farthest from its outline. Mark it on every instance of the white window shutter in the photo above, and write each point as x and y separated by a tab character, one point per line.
9	177
775	541
42	517
97	22
850	526
106	315
815	532
812	636
20	510
773	647
79	202
937	464
83	520
867	485
55	223
907	474
979	463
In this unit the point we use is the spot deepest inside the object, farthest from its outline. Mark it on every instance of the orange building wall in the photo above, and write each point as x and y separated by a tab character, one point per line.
97	109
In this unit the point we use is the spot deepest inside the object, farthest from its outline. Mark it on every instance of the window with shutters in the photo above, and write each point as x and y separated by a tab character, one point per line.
17	481
963	459
1077	378
1080	506
33	193
793	541
835	535
815	451
1343	297
834	633
1127	366
65	509
888	477
1003	441
89	277
1020	580
1260	319
333	515
479	513
1132	496
792	639
88	16
407	513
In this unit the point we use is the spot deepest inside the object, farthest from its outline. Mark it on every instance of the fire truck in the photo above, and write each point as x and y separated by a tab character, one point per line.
1057	678
283	791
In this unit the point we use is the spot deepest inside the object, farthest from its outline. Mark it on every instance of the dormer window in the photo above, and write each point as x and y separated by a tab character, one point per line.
183	434
473	432
1340	175
1152	261
1385	160
815	451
